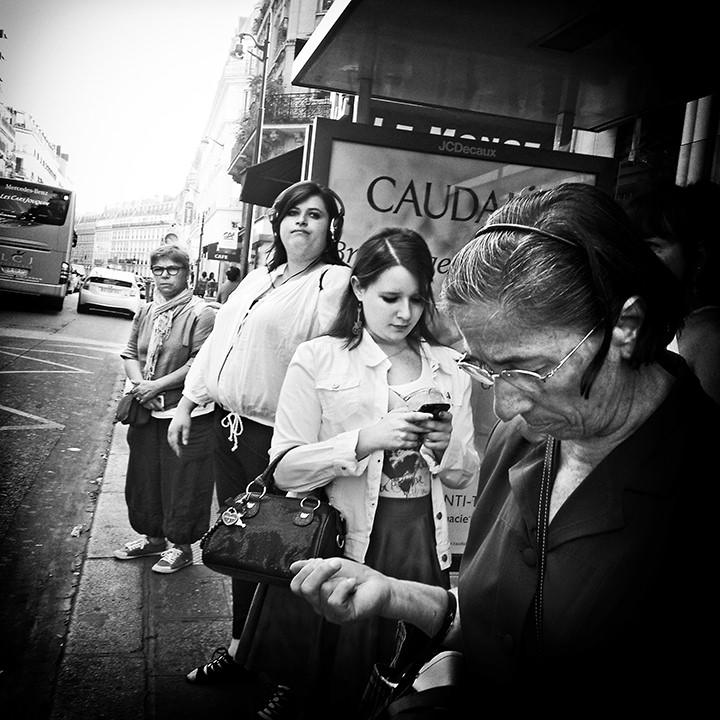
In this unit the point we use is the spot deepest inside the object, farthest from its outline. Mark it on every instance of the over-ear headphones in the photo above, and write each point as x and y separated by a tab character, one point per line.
336	224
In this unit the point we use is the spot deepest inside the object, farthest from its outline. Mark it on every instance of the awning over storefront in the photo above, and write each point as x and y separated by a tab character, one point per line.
212	252
263	182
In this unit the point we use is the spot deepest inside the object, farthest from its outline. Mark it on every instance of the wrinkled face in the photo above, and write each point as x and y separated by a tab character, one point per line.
303	230
671	253
556	406
392	305
169	286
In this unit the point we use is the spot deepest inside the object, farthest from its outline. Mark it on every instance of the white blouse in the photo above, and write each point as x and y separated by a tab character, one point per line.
243	362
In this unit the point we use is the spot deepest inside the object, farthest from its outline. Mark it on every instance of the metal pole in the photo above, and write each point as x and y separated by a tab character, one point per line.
249	207
200	247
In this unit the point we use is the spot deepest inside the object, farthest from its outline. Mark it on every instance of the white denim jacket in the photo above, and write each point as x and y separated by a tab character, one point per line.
329	394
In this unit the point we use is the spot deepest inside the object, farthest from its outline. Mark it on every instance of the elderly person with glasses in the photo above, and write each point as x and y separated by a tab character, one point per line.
168	496
584	579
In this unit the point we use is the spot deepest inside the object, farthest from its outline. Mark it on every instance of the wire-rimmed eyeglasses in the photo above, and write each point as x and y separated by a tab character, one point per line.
170	269
525	379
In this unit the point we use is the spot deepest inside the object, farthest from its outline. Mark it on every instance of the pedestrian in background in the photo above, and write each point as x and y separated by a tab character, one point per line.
211	287
242	365
233	280
168	495
201	284
679	225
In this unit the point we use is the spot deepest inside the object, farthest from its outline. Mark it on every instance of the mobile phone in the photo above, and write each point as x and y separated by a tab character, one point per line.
434	408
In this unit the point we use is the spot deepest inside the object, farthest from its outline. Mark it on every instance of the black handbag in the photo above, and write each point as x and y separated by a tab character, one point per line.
430	692
425	687
261	532
131	412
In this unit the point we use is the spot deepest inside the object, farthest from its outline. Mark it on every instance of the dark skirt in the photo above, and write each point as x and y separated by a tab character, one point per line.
321	661
402	545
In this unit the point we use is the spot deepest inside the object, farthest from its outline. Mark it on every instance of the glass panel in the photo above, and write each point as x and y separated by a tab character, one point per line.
21	205
110	281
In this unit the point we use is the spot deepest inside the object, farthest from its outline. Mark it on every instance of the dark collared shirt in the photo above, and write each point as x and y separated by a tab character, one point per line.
630	555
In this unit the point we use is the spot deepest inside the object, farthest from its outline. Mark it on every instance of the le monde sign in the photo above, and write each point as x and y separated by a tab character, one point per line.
461	125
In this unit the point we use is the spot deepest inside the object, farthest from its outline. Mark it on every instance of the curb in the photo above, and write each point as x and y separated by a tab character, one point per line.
134	634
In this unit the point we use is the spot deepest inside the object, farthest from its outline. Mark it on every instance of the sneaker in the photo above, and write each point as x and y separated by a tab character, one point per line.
172	560
283	704
221	668
141	547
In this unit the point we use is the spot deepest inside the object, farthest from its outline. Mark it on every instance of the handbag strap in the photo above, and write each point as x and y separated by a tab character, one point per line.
266	477
543	520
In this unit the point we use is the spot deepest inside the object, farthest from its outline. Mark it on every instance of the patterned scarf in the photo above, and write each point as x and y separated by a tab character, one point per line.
163	313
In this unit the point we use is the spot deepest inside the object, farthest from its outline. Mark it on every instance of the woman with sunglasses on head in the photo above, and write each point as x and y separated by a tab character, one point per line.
356	413
168	495
293	298
583	585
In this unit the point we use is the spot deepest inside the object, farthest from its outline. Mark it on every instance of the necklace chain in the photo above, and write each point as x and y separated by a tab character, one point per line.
397	352
299	272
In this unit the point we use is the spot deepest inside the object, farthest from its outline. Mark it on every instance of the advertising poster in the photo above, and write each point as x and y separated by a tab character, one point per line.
444	188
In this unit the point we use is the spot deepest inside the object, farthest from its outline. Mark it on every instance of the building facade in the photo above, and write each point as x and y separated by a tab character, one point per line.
28	154
279	115
209	207
7	142
122	237
256	76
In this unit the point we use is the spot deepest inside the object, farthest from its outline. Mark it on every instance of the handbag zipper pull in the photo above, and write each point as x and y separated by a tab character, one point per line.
308	505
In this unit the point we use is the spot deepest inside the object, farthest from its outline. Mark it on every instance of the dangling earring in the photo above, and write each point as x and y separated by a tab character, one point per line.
357	326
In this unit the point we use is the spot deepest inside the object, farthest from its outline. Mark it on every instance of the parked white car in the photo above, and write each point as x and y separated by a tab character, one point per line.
107	289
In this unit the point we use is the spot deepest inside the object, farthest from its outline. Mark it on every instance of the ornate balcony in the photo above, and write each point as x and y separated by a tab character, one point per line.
292	108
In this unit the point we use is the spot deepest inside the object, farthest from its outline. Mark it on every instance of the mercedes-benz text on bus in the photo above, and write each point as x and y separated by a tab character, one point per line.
37	233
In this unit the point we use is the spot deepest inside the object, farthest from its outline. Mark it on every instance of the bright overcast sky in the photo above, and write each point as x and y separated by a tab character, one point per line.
125	87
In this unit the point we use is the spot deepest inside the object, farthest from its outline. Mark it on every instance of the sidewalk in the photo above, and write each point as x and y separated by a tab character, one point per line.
135	634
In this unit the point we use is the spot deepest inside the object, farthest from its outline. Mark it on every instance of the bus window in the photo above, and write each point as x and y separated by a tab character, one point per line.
36	237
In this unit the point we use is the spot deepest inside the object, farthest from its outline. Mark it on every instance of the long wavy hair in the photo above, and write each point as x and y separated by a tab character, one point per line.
388	248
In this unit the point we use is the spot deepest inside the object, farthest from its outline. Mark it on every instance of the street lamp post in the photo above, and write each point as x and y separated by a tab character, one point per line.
263	49
200	247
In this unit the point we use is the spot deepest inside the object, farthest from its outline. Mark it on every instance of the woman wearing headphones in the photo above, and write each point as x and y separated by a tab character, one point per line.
242	364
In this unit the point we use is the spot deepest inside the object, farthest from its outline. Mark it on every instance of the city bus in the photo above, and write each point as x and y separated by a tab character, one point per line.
37	234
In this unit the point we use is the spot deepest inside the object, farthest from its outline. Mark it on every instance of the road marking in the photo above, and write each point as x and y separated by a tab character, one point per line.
51	352
57	342
70	368
60	339
47	424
